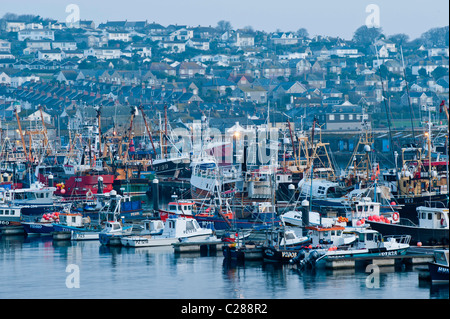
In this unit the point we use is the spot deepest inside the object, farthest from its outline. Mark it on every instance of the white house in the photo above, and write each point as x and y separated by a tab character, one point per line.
345	52
34	26
51	55
387	44
284	38
14	26
36	116
181	34
36	34
36	45
244	40
5	45
17	80
438	51
174	46
119	36
103	53
428	66
5	78
64	45
79	54
199	44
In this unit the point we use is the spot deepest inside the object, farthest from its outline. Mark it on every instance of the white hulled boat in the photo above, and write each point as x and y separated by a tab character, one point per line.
175	230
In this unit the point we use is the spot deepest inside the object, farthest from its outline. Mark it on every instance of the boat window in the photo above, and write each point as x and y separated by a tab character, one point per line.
440	257
189	225
1	211
339	233
370	237
290	236
172	207
430	216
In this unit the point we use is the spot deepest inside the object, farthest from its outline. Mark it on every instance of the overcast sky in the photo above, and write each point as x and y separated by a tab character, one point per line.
319	17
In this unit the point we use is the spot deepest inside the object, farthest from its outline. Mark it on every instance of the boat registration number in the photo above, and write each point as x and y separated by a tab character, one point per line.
288	254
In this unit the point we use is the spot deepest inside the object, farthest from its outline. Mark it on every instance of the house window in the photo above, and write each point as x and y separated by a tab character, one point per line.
350	116
342	117
331	117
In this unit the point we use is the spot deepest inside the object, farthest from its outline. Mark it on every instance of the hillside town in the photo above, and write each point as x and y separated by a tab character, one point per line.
231	74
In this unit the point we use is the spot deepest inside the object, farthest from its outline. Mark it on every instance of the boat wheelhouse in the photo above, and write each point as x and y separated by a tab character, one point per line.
439	271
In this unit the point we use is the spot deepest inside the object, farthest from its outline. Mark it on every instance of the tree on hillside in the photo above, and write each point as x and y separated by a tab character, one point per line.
302	33
399	39
365	35
223	26
436	37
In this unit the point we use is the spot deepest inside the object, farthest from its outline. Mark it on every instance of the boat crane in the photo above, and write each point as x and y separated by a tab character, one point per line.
27	156
147	127
130	131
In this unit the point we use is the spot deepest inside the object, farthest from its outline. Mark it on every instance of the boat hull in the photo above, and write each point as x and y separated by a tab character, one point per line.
82	185
410	204
284	256
155	241
38	228
89	235
241	254
427	236
438	272
364	253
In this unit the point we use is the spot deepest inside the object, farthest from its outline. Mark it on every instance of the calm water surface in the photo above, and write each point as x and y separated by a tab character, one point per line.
36	268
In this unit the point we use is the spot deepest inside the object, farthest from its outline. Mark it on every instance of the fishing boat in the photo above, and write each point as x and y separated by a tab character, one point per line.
177	165
43	226
113	206
35	200
112	233
371	243
85	184
317	237
326	194
432	227
10	219
422	178
78	226
439	267
175	229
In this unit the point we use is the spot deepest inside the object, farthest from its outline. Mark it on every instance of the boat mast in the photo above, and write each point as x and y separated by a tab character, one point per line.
99	110
385	105
27	156
147	128
409	99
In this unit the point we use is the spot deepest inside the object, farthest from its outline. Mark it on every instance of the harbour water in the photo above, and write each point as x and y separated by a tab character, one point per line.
40	268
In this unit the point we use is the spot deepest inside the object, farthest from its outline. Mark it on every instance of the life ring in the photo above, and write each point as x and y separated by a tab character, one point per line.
443	222
395	217
89	195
